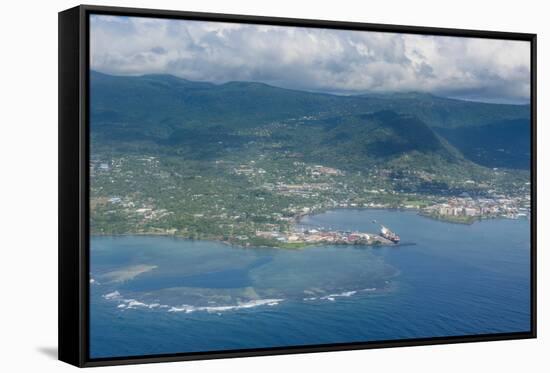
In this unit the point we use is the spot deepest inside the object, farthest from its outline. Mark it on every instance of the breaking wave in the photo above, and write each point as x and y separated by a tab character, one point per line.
254	303
130	303
114	295
332	297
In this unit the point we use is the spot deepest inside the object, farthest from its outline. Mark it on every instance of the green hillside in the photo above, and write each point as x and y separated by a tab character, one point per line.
230	161
164	113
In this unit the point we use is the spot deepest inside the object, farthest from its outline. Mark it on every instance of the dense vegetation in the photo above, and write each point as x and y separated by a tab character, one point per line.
224	161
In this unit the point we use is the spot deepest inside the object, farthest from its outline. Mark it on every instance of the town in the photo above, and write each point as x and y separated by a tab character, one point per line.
338	237
260	201
467	209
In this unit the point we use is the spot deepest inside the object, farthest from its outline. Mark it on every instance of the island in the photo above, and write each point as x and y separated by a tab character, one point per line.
247	176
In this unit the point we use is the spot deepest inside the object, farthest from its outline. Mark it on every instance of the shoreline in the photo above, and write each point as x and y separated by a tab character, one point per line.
318	212
298	220
181	237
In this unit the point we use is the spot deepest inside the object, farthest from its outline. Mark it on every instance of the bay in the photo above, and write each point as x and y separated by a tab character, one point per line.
158	295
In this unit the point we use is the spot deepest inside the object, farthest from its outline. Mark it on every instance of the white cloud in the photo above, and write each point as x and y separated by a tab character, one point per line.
312	59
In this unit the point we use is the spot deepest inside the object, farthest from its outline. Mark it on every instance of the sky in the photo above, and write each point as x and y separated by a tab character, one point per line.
312	59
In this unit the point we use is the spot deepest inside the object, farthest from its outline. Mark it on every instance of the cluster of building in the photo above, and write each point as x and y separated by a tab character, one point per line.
146	212
319	170
509	207
303	190
248	170
323	236
149	213
115	166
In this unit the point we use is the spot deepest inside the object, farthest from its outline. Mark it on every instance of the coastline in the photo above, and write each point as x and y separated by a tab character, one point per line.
381	242
182	237
298	220
453	219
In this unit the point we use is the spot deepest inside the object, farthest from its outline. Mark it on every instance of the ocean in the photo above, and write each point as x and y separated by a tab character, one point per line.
159	295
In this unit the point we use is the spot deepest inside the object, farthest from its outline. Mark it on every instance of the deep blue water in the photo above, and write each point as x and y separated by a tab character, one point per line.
154	295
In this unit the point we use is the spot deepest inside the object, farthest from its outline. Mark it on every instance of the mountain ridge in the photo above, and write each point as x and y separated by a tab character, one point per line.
172	111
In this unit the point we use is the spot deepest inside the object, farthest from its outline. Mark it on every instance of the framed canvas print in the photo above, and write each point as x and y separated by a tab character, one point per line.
238	186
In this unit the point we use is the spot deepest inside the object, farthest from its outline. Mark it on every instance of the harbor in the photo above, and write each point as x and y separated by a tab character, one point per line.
335	237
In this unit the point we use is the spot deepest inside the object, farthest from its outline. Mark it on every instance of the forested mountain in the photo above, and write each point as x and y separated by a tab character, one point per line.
163	113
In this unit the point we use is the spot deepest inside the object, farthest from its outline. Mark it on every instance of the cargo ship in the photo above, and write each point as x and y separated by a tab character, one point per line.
389	235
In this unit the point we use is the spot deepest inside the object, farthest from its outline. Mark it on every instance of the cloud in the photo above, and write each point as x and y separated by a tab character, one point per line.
337	61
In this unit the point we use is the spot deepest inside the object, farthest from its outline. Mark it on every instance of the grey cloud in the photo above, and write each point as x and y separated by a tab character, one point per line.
312	59
425	70
158	50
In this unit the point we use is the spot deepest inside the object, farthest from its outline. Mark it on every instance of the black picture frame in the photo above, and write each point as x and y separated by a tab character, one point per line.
74	181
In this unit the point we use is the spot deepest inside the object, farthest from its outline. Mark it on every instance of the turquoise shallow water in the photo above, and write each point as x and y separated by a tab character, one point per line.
154	295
